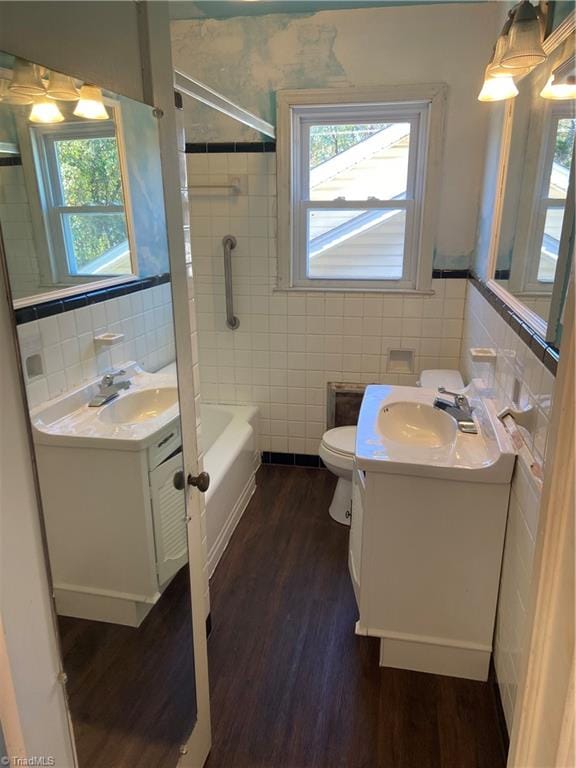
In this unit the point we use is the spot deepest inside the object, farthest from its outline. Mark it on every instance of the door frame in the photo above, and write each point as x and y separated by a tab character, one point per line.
159	91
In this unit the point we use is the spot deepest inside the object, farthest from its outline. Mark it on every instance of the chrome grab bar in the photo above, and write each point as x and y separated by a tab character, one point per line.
229	243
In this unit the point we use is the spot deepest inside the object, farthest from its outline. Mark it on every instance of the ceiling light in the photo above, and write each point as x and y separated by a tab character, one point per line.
91	105
497	88
525	39
26	80
62	87
45	110
9	97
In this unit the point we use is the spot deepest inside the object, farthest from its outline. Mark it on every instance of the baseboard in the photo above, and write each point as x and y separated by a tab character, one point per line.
223	538
113	608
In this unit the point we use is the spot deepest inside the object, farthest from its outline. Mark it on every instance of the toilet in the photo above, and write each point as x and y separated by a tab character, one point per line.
338	445
337	452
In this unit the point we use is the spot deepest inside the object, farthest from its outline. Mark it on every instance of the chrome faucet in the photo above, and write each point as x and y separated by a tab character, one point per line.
460	410
109	388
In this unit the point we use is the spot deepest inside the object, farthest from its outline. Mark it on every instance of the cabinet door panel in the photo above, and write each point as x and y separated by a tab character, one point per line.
169	517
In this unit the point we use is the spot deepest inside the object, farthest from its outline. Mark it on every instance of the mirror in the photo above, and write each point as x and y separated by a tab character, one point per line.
76	164
85	247
537	217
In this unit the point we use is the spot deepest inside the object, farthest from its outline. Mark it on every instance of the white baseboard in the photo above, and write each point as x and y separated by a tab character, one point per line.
223	538
450	660
113	608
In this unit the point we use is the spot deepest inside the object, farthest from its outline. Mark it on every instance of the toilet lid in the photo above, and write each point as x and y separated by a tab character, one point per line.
341	440
450	379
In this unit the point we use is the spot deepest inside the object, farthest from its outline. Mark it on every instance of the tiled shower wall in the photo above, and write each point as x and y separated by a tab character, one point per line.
483	327
69	355
290	344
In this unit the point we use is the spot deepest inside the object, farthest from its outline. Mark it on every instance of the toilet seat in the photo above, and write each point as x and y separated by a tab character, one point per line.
341	441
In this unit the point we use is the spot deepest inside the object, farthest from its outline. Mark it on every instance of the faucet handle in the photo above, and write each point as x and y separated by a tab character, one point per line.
459	398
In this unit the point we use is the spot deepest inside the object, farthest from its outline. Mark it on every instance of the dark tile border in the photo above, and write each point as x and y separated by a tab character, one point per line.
215	147
292	459
545	352
450	274
87	298
178	100
6	161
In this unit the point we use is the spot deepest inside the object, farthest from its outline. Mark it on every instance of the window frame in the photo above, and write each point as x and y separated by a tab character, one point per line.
541	202
422	104
43	139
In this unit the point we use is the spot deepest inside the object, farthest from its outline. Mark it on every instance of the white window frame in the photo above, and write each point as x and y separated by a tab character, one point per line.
43	138
421	105
541	202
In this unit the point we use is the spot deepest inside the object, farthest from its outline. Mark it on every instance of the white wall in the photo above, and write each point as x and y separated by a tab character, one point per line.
483	327
249	59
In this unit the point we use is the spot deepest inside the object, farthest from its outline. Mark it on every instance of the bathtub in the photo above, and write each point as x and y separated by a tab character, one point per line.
231	458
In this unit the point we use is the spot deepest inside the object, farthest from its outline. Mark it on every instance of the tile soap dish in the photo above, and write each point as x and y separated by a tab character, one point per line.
483	354
108	339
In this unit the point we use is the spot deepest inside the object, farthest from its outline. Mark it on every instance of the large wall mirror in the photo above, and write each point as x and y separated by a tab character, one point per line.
84	243
533	245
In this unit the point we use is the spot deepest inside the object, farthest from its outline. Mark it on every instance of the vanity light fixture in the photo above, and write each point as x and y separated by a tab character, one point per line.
561	85
45	110
26	80
91	104
9	97
61	87
495	66
525	39
497	88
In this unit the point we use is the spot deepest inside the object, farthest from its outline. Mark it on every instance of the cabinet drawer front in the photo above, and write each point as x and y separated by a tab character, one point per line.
166	443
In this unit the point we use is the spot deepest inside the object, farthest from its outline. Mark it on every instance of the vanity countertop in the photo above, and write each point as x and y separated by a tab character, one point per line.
69	420
488	456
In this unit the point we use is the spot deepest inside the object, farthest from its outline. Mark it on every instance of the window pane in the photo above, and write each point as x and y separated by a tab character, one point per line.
564	144
356	245
97	243
550	245
359	161
89	171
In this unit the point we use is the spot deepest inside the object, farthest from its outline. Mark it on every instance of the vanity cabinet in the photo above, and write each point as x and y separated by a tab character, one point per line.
424	559
114	545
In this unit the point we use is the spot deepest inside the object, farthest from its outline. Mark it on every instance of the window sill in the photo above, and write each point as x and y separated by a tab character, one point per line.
394	291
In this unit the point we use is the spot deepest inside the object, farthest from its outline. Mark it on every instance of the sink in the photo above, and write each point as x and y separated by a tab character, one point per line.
416	424
136	407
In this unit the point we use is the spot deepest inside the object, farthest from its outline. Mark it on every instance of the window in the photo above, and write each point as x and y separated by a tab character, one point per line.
80	175
354	184
550	203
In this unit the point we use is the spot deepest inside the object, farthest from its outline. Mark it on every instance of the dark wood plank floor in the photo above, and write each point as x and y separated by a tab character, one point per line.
292	686
131	689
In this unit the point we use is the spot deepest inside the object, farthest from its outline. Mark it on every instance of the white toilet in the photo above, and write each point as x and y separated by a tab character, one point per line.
338	445
337	452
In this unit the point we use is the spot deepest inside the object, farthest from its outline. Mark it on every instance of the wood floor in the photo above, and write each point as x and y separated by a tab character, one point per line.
131	689
292	686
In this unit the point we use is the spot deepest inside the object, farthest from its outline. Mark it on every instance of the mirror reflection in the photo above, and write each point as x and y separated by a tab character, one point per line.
536	219
84	234
76	164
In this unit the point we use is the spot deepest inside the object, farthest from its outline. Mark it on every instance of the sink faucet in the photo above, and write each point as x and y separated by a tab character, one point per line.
109	388
460	410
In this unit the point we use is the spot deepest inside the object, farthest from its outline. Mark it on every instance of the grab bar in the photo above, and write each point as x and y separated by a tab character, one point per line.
229	243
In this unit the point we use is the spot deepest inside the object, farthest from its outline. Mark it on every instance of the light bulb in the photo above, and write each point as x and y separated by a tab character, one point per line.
497	88
91	105
559	91
45	110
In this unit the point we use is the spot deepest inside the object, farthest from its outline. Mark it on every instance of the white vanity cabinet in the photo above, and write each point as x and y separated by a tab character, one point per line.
424	560
114	545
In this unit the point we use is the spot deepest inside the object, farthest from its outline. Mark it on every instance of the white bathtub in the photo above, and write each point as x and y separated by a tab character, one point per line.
231	459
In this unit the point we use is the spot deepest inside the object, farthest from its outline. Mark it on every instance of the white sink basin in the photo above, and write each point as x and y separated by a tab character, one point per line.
400	432
130	422
136	407
416	424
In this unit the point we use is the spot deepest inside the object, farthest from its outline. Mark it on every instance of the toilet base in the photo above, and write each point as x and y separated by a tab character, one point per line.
341	506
